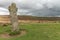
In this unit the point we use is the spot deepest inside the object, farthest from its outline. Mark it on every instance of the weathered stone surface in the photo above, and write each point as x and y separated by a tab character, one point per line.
13	16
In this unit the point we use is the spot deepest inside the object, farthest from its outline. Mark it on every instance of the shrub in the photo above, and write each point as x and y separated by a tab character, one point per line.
14	33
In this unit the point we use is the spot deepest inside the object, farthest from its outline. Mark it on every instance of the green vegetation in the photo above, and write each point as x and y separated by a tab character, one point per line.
14	33
36	31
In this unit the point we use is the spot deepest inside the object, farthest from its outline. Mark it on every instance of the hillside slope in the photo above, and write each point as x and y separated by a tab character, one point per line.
5	18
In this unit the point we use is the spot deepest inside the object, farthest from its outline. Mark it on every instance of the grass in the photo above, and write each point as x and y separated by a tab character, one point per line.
36	31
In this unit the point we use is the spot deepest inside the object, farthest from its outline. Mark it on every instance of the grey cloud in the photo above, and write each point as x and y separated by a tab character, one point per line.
35	7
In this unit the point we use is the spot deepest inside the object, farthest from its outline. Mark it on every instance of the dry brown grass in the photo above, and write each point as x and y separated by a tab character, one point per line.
6	19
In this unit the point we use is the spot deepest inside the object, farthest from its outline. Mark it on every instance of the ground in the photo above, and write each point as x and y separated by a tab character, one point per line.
36	31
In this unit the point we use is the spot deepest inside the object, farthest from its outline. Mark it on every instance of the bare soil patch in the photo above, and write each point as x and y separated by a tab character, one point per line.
6	35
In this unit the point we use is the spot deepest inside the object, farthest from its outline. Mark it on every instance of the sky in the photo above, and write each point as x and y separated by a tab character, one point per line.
43	8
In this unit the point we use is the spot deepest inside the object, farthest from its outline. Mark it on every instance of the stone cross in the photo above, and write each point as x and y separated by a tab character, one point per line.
13	16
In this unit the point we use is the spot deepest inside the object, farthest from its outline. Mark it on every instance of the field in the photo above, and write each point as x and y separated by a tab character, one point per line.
30	19
36	31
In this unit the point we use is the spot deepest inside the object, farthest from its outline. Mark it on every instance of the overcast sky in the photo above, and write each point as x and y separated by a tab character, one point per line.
32	7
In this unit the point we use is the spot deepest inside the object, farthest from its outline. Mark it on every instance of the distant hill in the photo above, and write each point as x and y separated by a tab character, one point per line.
29	19
25	17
